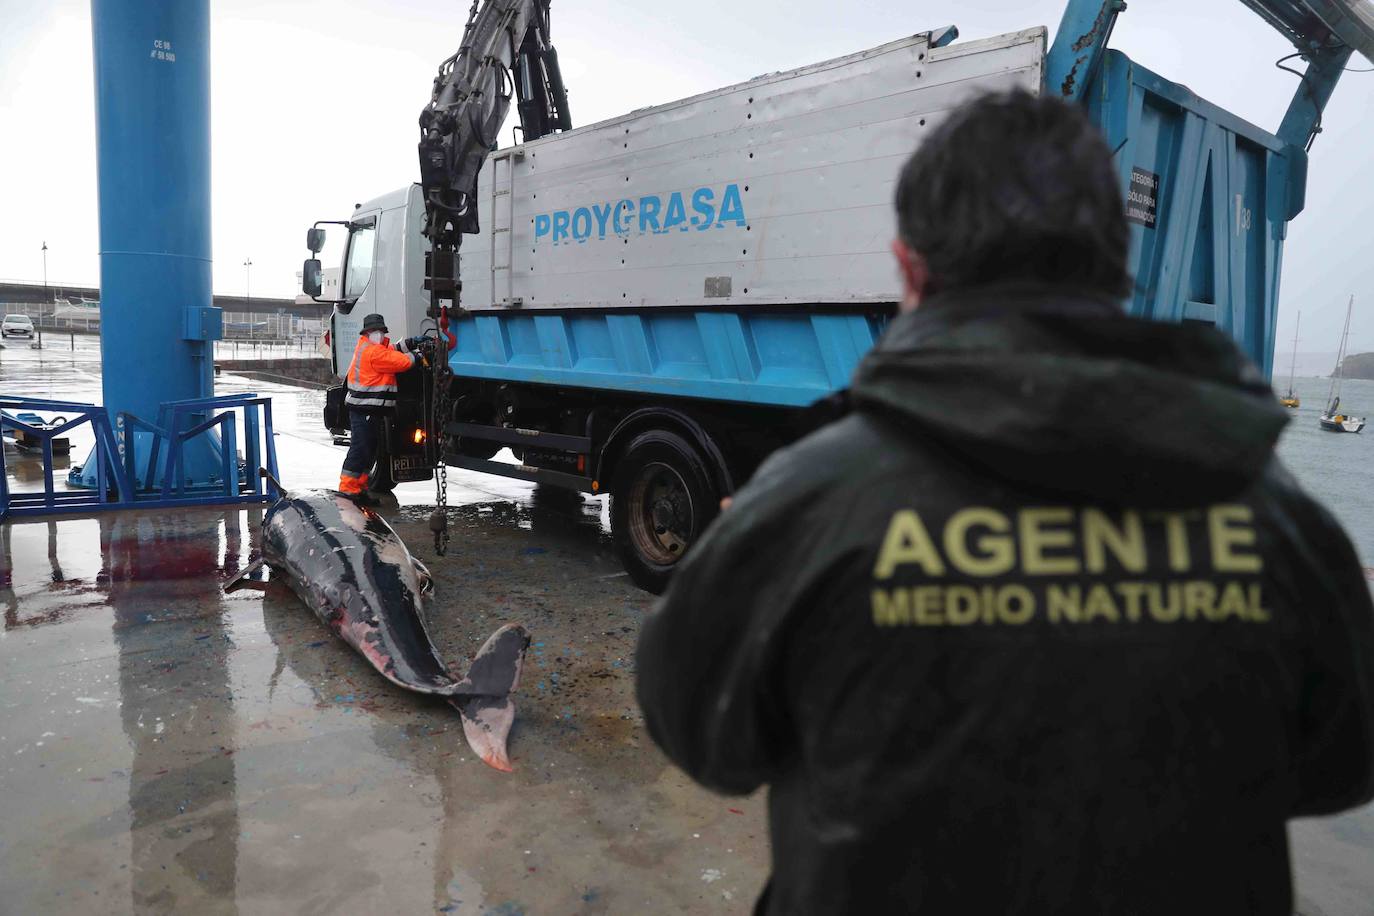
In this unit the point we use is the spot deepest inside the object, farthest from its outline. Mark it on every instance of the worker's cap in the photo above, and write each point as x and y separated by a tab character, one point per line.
374	322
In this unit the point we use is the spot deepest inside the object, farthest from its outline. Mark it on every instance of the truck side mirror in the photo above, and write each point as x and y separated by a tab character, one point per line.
314	240
310	276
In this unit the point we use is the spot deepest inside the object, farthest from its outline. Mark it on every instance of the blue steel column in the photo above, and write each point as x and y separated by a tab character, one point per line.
152	102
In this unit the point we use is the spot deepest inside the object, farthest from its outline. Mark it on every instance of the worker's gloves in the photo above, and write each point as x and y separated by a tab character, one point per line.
414	344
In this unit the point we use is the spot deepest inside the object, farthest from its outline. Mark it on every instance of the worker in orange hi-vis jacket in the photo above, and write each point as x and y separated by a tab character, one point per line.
371	382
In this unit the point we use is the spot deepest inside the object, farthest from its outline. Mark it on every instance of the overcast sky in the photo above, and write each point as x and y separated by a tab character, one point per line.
315	106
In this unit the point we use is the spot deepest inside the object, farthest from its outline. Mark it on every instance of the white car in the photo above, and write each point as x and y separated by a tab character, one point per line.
19	325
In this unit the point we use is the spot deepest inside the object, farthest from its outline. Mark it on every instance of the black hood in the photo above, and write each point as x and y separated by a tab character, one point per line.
1067	394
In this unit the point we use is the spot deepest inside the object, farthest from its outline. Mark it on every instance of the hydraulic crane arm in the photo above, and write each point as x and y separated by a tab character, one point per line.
1324	33
505	52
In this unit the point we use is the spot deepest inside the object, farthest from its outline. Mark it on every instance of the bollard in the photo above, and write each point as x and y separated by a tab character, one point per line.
72	334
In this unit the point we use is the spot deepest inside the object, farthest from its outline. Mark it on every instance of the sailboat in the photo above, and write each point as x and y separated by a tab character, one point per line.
1291	399
1332	420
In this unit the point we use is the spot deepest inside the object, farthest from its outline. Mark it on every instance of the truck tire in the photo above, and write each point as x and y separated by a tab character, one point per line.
662	499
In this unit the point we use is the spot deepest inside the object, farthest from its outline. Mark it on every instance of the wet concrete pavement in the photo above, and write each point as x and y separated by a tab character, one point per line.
166	747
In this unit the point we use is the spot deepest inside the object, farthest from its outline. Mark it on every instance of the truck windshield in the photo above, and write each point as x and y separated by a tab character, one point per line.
358	270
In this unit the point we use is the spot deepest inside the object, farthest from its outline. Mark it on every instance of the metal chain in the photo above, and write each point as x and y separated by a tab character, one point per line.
438	521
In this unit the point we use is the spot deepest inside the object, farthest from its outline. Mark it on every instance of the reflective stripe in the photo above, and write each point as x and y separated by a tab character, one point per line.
369	401
372	397
353	365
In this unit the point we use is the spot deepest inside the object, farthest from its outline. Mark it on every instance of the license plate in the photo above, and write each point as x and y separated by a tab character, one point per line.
410	468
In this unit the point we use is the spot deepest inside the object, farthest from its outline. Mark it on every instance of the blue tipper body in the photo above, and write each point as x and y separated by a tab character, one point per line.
1209	197
751	356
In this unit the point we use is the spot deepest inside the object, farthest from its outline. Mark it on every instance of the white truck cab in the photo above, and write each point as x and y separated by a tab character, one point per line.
383	272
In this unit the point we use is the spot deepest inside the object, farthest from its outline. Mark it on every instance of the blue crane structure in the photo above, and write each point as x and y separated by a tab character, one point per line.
161	436
1221	191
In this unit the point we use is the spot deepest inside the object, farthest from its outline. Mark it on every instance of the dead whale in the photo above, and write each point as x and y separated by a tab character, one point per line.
349	567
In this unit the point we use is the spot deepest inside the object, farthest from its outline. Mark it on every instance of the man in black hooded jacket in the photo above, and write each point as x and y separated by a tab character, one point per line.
1042	625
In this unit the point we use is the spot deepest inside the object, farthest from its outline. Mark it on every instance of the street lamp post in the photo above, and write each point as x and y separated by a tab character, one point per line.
248	292
45	282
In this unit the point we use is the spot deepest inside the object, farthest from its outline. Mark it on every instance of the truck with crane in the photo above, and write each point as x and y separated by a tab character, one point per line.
647	306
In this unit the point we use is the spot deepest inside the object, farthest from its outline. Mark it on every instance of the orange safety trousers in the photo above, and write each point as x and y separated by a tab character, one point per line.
351	484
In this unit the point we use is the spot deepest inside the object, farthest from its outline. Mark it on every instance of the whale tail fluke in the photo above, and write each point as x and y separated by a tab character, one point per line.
486	709
495	670
486	724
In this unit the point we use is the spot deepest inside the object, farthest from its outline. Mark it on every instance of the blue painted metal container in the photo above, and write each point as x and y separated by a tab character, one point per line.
1209	197
152	92
751	356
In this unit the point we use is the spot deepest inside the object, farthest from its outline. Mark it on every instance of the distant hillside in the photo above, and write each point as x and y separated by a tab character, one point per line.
1359	365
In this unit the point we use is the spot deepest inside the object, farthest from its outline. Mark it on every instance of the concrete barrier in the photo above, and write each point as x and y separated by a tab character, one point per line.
311	372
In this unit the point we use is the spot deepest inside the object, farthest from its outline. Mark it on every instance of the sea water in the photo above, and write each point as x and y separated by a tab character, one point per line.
1335	468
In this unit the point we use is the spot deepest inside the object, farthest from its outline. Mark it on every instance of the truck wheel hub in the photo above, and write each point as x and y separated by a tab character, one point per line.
660	513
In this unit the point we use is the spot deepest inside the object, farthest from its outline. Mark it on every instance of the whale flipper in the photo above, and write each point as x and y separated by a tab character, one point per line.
245	578
426	580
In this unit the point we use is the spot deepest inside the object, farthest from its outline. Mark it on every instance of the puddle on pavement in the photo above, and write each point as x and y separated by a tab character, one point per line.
168	747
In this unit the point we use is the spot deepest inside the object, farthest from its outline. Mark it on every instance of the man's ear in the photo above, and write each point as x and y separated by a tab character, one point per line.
915	273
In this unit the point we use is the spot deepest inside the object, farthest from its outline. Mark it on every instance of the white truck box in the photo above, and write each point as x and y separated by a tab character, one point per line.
774	191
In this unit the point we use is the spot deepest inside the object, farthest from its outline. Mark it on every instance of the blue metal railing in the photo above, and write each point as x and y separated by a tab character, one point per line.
180	422
124	480
110	473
